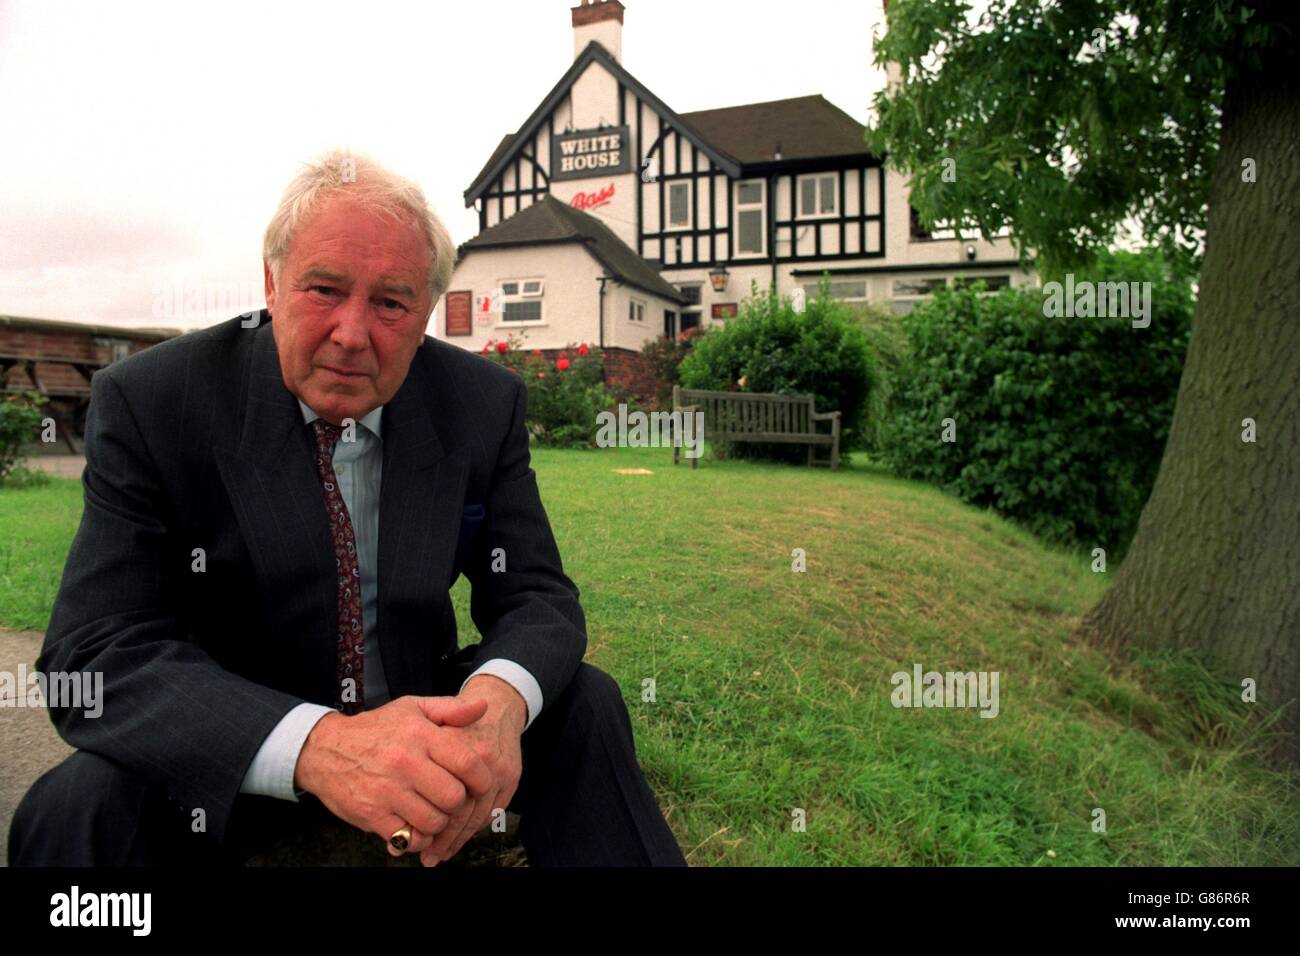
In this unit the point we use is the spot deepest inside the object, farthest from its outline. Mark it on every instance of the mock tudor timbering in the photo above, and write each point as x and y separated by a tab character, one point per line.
603	215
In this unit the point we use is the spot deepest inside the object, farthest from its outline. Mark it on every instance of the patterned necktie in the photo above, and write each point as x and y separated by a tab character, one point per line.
351	644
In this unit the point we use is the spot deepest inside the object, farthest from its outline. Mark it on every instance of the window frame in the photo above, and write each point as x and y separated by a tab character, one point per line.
669	225
520	296
818	179
911	299
634	306
810	289
761	208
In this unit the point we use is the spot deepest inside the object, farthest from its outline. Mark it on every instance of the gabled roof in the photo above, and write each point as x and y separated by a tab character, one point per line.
805	127
551	221
593	53
501	150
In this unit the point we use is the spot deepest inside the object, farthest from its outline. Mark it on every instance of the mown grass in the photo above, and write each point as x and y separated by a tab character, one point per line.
772	688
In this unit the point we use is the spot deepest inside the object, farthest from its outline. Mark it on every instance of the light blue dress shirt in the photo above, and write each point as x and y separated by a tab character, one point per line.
358	465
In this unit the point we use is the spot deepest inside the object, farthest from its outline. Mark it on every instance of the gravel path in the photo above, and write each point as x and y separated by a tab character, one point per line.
31	744
61	466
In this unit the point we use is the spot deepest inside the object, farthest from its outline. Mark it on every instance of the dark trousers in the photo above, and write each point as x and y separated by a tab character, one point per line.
581	800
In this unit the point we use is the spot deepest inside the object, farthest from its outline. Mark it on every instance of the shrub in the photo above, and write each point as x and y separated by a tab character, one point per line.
769	347
20	414
887	346
564	395
1060	422
664	356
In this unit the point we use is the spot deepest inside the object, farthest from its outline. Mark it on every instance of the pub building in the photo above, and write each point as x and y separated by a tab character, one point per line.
610	218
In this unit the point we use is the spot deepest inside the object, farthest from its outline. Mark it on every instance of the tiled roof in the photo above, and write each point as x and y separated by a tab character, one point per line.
550	220
806	127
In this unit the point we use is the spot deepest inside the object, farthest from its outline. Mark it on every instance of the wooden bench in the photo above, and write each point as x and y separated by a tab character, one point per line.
760	417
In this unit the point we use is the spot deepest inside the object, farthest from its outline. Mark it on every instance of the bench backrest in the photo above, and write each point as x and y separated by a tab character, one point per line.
749	412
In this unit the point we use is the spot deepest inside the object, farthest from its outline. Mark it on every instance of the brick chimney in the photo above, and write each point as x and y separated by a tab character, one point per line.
599	20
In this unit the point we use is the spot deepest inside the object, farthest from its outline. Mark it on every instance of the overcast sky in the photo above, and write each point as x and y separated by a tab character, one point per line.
146	145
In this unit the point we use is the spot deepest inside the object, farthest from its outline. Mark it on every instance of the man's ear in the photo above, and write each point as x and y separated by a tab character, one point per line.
269	286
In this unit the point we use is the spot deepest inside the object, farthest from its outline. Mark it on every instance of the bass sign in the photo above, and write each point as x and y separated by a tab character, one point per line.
592	200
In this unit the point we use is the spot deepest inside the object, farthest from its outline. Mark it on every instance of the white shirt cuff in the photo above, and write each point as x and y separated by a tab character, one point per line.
271	772
518	678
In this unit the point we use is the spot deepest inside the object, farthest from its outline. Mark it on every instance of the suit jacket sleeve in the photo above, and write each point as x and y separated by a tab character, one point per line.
528	613
170	713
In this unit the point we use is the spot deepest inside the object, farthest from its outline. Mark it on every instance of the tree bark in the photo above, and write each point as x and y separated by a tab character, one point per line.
1215	564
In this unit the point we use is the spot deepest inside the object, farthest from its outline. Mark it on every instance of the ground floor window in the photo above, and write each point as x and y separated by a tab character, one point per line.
849	290
991	283
521	300
908	292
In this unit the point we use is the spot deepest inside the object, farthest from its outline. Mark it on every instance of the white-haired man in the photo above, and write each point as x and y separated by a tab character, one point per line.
275	510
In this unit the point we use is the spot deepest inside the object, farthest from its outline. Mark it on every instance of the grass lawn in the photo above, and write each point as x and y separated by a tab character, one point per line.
772	688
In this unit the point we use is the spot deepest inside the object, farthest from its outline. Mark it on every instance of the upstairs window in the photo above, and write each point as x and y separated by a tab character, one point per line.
943	229
751	215
635	310
679	205
818	195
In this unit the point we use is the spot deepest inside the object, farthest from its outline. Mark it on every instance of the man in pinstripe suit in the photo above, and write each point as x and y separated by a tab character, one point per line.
238	481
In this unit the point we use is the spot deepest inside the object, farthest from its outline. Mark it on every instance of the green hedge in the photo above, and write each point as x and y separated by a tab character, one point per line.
1060	423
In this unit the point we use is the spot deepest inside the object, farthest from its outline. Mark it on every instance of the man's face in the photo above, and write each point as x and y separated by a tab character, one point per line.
351	309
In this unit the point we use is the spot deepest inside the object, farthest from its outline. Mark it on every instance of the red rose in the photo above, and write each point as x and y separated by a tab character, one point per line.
502	347
562	364
583	350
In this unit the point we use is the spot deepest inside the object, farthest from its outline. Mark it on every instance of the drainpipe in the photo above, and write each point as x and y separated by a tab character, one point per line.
771	224
601	325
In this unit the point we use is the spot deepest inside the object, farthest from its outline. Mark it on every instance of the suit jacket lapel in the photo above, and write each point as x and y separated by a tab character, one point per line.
276	494
419	521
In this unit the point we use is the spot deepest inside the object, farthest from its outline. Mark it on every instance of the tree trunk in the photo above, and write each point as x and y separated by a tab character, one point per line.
1215	564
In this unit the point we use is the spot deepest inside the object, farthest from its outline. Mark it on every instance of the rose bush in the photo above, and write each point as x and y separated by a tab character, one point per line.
564	395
